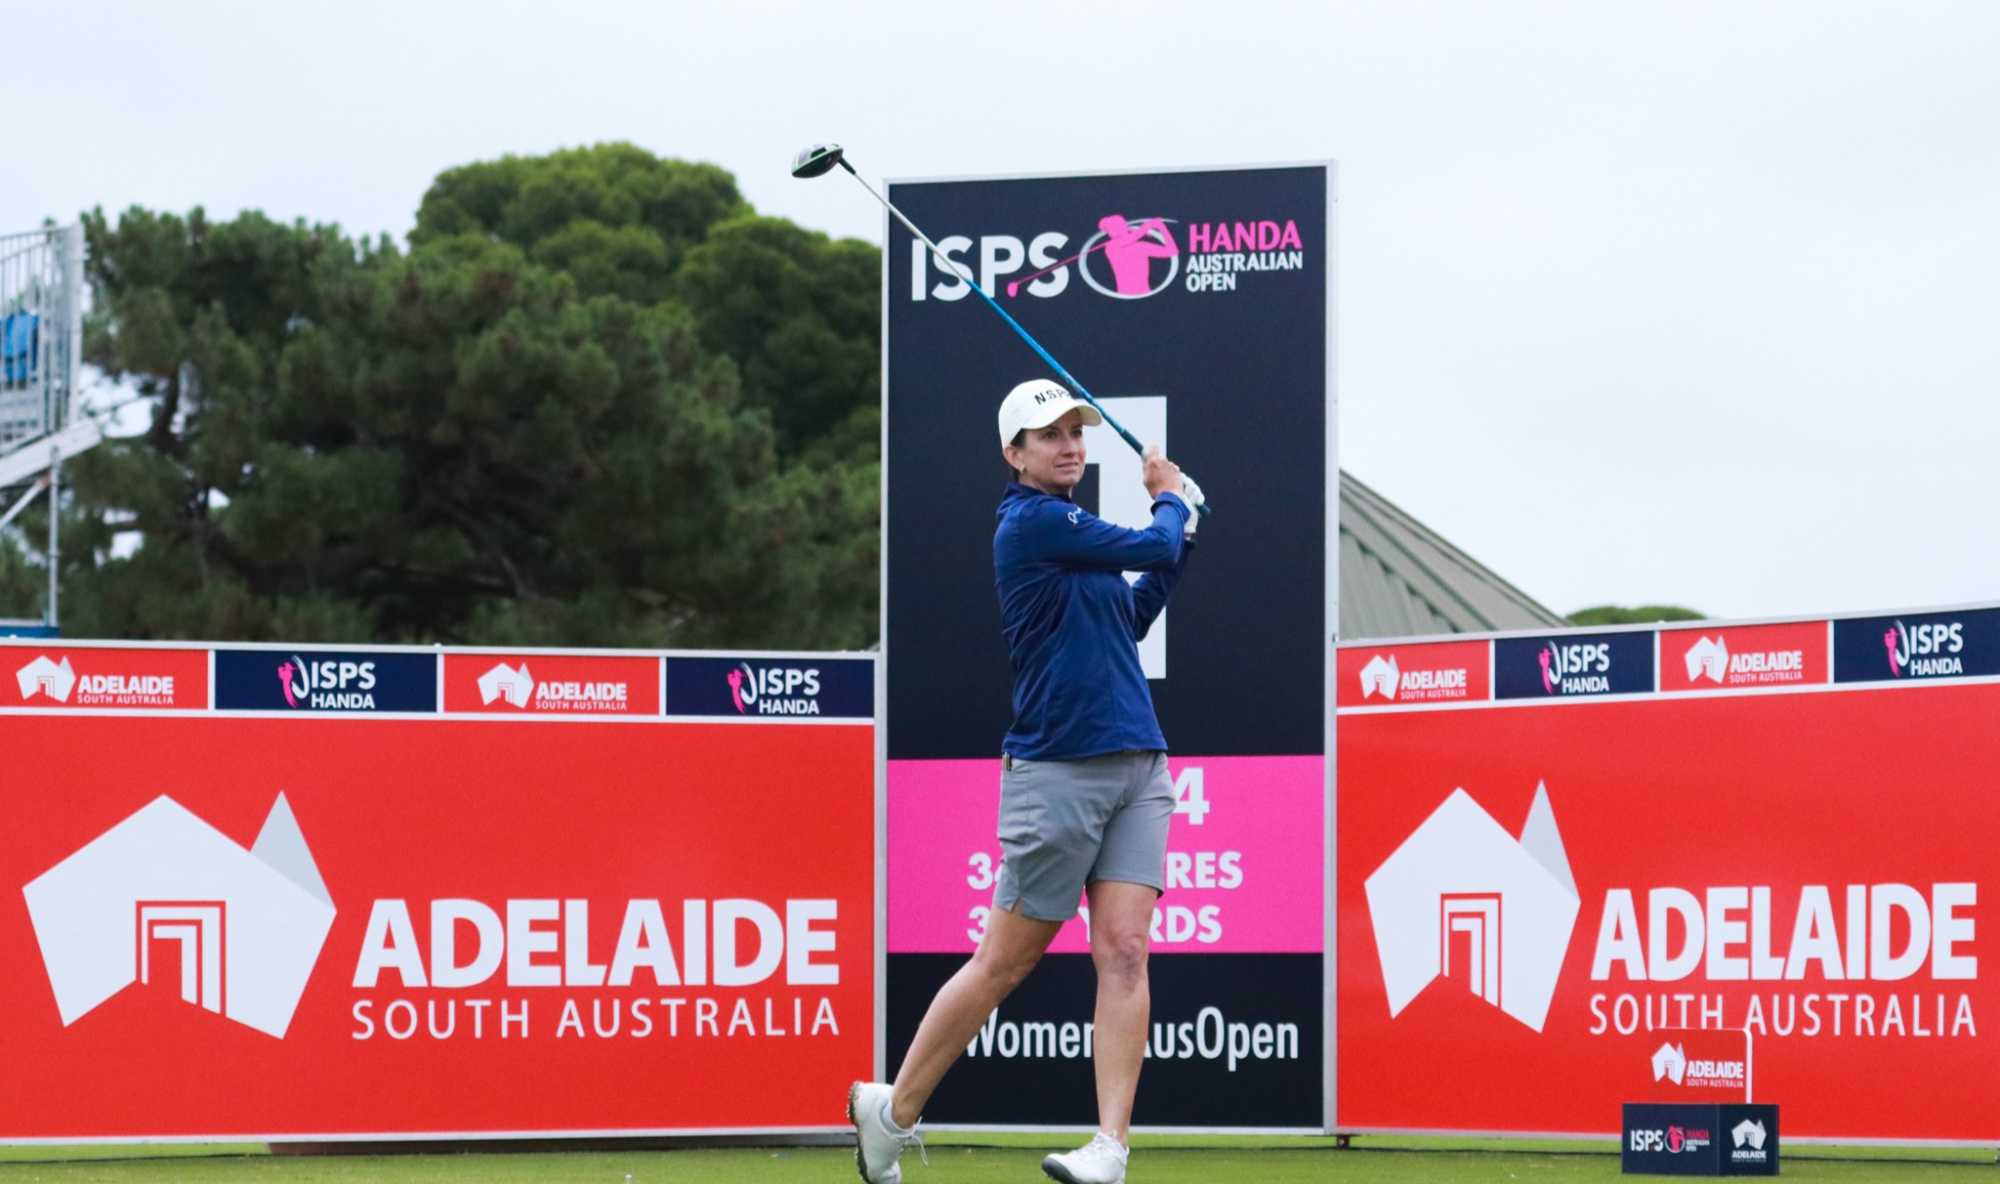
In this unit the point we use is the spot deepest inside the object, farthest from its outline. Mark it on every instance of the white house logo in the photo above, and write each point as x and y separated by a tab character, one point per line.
1747	1139
507	684
249	925
1461	895
43	677
1669	1063
1708	659
519	688
1379	677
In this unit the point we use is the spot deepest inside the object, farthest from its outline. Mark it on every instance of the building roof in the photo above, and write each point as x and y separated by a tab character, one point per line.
1398	578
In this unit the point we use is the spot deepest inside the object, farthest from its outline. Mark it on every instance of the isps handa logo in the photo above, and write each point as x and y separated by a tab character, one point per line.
1673	1140
247	925
1931	649
327	685
1569	665
1575	669
774	689
1126	257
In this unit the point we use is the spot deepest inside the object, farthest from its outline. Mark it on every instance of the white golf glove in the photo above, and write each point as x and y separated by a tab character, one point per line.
1191	494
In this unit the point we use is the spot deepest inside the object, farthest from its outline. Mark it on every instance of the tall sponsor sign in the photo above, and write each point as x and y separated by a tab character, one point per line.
496	924
1629	894
1192	303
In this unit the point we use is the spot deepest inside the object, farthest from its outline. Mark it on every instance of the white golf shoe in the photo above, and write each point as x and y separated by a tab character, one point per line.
878	1144
1100	1161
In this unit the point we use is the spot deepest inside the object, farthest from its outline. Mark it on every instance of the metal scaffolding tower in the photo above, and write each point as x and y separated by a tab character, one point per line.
41	363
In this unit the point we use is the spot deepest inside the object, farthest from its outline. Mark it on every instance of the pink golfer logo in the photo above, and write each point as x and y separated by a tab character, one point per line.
1548	657
1129	250
1889	642
285	681
737	678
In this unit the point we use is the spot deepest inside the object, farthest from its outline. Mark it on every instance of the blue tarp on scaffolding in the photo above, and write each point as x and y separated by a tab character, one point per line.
18	332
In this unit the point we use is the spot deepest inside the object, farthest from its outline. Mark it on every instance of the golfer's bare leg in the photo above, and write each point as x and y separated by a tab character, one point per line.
1121	916
1013	944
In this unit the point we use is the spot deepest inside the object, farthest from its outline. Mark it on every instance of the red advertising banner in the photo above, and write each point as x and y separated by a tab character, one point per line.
1424	672
293	927
1739	656
1533	900
60	677
551	684
1700	1065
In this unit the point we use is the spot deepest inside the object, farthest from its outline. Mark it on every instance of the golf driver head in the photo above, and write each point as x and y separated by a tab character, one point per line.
815	159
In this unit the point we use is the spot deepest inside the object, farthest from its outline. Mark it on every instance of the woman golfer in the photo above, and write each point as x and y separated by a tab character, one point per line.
1085	799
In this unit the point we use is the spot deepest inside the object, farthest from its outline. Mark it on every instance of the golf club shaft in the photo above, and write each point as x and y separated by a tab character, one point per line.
938	253
1035	275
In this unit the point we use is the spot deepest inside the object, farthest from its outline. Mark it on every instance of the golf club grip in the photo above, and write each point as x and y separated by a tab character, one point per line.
938	254
1058	367
1109	422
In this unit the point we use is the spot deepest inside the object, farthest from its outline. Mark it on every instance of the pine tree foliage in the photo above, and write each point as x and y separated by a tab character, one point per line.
598	400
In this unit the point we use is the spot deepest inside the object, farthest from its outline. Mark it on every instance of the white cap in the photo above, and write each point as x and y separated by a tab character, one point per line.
1038	403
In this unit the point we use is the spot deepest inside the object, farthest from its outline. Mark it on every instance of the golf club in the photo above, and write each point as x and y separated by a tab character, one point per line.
1014	286
818	159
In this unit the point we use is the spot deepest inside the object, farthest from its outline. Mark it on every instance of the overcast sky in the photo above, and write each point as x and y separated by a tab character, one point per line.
1689	302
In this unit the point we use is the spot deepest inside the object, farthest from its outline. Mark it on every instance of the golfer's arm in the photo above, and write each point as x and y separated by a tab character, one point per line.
1150	593
1090	541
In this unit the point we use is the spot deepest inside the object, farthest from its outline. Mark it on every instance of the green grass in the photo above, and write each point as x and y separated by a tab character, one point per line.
960	1159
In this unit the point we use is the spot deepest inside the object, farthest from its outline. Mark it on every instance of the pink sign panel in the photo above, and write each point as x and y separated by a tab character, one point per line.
1243	868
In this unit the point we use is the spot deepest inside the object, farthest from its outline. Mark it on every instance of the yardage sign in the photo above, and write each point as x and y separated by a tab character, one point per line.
1197	306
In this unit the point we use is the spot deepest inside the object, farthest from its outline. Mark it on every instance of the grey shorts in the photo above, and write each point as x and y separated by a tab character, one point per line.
1064	824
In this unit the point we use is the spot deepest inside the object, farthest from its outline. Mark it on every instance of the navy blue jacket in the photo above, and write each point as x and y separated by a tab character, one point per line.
1073	624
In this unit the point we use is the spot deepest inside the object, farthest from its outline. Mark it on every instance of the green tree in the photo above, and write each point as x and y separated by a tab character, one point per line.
800	312
460	444
1645	614
614	216
23	585
194	313
797	311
